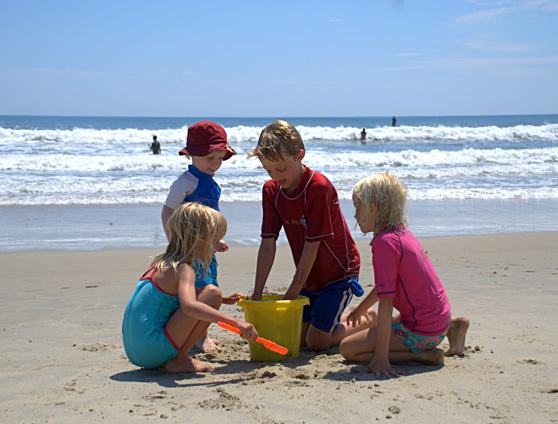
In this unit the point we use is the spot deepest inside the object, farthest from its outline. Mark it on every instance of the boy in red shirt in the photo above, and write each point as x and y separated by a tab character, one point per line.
305	204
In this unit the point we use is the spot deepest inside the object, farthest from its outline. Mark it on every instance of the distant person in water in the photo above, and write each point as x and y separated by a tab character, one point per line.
393	121
363	136
155	147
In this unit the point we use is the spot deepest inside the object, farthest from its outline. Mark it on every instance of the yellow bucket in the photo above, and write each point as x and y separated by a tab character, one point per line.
277	320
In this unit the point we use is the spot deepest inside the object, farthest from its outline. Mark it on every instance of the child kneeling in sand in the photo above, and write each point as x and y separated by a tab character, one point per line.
405	279
305	204
164	316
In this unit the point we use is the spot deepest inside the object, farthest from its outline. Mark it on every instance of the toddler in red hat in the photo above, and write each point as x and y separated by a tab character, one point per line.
207	147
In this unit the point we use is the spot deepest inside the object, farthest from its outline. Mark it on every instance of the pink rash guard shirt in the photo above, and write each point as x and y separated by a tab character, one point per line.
403	271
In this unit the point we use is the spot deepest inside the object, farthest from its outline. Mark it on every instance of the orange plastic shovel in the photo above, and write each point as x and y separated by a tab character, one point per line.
268	344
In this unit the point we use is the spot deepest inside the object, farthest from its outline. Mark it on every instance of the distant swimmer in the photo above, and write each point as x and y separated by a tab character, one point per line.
155	147
363	136
393	122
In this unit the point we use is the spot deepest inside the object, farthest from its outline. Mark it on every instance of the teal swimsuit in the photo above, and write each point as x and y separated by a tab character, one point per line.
149	309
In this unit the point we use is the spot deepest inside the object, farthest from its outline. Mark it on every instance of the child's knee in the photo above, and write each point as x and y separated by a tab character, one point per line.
344	349
211	295
316	343
349	349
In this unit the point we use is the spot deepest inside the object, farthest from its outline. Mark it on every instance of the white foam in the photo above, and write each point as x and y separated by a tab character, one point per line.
322	160
89	166
105	138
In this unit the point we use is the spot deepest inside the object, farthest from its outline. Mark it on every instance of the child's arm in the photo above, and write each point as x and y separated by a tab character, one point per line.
199	310
266	256
379	365
180	188
165	215
307	259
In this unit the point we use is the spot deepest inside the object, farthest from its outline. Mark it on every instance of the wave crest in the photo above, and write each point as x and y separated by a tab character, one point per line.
249	134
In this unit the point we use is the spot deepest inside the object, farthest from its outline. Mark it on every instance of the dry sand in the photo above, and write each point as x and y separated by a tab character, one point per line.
61	356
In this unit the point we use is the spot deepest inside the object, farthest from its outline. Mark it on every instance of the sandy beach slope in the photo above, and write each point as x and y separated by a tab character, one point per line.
61	357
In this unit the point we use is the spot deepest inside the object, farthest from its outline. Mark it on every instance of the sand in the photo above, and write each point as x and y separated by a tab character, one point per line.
61	356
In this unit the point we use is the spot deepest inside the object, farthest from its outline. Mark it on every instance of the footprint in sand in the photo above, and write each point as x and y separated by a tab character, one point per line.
394	409
224	401
302	376
152	410
267	374
97	347
297	383
72	387
163	394
529	362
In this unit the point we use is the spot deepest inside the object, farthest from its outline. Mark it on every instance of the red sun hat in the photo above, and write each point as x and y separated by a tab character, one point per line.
205	137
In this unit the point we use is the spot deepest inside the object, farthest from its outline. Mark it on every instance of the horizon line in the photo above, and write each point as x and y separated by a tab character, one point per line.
277	116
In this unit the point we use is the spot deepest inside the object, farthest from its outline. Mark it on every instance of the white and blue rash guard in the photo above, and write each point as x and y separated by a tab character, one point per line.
194	186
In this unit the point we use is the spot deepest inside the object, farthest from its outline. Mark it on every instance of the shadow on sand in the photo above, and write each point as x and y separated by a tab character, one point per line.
238	371
358	372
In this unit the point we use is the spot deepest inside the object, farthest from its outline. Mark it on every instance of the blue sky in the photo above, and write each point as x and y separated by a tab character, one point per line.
269	58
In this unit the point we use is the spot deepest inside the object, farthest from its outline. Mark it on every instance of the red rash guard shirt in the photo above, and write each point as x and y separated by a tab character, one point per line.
312	213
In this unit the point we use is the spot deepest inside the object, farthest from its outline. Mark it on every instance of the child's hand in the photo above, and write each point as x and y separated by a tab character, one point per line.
381	368
233	298
290	295
356	316
292	292
247	331
222	246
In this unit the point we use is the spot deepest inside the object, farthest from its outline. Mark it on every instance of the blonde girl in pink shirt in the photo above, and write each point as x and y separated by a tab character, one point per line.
406	280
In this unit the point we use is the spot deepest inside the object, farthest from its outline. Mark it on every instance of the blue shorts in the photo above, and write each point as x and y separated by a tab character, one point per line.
327	304
204	279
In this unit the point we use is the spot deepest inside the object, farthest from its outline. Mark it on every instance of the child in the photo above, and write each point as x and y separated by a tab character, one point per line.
305	204
208	147
405	279
165	315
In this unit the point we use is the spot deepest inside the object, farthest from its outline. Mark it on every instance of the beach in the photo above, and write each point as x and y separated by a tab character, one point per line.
80	209
452	99
62	361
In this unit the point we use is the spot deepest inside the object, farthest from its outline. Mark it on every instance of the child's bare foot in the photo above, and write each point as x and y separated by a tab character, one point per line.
207	345
456	336
187	365
431	357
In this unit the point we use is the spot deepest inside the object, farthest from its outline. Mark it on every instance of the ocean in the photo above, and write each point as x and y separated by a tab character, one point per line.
91	182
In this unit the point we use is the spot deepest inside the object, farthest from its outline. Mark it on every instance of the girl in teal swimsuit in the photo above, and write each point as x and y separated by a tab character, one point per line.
164	316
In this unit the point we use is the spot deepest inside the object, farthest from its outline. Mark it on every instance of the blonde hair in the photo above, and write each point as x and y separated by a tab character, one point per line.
194	229
277	138
388	194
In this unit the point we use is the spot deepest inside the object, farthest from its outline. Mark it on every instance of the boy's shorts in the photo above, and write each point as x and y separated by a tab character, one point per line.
327	304
204	279
415	342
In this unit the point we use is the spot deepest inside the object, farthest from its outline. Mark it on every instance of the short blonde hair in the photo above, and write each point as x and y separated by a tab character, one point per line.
194	229
277	138
388	194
